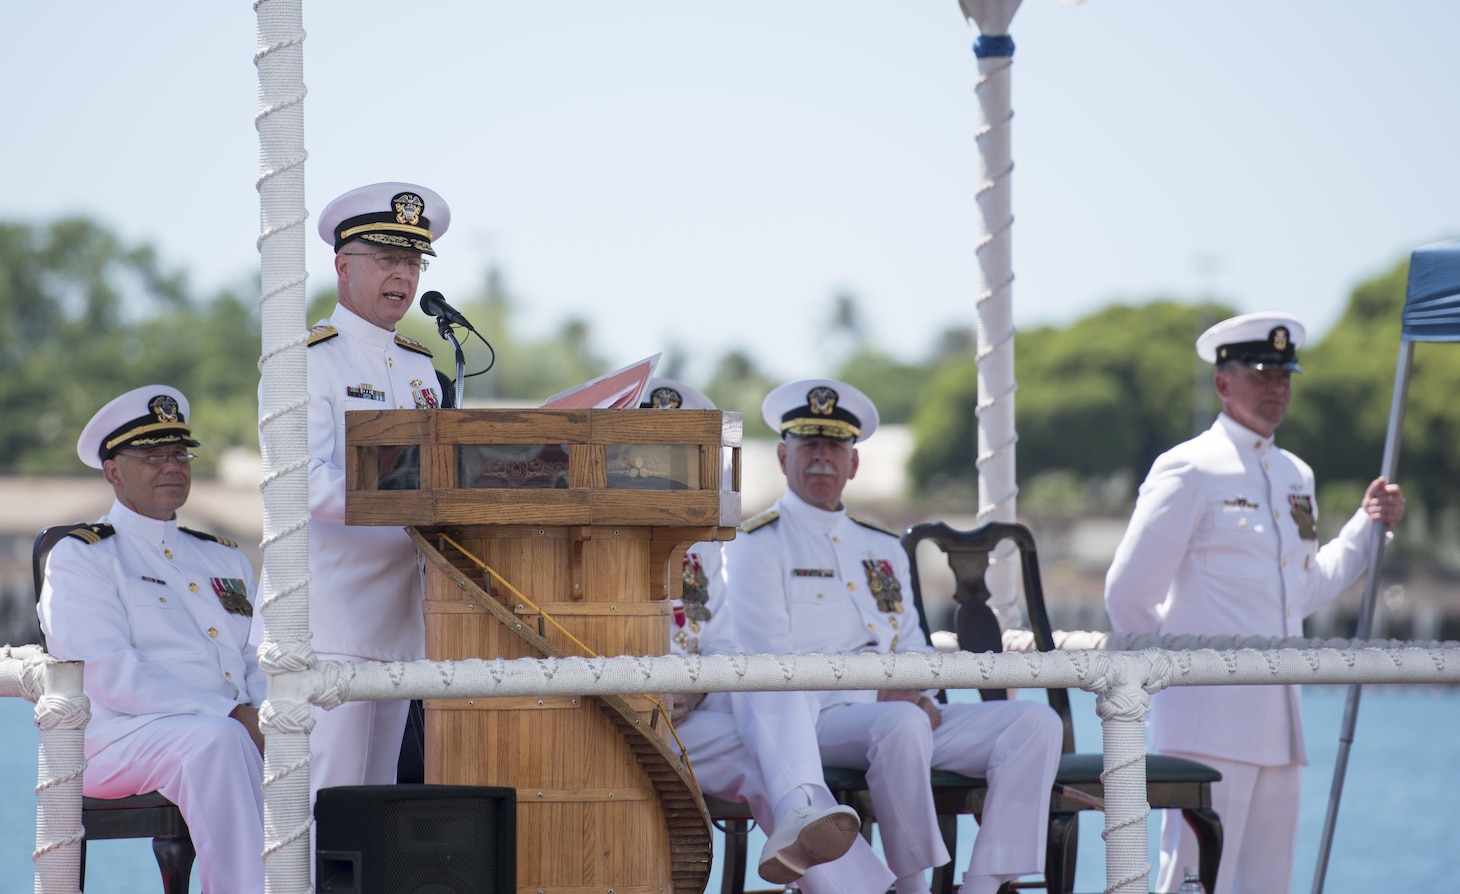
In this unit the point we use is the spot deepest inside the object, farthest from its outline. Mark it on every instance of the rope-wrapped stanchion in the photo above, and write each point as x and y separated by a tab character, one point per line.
286	716
61	714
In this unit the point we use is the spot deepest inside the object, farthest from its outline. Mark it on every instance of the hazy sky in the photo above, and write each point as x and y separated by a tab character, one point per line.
707	175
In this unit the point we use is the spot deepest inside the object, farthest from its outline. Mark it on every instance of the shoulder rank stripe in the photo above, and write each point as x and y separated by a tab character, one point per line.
756	522
322	332
410	344
90	534
201	535
873	525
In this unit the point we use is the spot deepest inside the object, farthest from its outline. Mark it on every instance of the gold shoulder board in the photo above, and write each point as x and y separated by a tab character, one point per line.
410	344
90	534
874	526
322	332
756	522
202	535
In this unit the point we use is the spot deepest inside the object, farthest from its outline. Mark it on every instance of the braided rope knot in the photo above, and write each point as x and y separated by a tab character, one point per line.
286	656
54	712
32	677
1099	671
1123	703
1160	670
286	717
334	688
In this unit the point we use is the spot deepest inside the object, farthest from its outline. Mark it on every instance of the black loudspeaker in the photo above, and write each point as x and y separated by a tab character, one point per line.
415	839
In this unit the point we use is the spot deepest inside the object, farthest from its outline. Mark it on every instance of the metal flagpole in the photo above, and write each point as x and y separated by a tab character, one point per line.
1389	466
997	489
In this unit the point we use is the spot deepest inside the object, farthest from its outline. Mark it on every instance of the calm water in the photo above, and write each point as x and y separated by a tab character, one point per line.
1399	829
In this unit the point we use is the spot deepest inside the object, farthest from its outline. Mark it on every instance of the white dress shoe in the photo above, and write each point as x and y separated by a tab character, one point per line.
805	837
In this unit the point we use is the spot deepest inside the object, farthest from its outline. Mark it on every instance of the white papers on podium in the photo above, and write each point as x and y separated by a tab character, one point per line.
622	389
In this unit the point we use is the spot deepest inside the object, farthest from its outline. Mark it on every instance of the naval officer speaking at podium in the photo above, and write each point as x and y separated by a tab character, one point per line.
366	584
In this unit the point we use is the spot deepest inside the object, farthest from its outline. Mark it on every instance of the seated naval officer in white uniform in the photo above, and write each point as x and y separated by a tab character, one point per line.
1224	539
811	839
807	577
160	614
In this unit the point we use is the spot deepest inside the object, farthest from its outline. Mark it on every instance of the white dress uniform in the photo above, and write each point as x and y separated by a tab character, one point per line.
160	615
722	764
367	582
1223	540
802	579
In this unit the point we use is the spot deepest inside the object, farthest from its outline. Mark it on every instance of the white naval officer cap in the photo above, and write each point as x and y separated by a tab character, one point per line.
391	215
819	408
1263	340
143	417
671	394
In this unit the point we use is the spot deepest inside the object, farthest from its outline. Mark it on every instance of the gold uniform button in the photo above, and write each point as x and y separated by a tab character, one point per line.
193	587
213	631
390	361
820	595
1285	563
1274	513
871	626
836	540
168	553
228	675
851	586
162	599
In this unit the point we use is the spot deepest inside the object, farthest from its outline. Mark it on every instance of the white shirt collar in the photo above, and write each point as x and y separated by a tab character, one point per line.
809	515
352	324
1242	435
134	524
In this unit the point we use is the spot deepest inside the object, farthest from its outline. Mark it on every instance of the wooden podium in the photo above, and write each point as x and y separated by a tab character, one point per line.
552	533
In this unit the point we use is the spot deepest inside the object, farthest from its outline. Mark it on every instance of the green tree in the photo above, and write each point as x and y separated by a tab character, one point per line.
1102	396
86	317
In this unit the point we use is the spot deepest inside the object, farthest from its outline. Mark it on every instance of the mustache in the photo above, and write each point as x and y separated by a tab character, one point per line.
821	468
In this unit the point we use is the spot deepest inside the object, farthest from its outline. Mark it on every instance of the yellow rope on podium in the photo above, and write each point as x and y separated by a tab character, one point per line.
658	706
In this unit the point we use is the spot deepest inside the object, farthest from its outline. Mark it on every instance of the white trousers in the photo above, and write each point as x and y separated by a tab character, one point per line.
1259	810
727	770
1014	745
209	767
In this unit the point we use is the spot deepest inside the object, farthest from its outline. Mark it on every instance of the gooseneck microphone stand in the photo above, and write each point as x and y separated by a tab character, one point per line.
443	326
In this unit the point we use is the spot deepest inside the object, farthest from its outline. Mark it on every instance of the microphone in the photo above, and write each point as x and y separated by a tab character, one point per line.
434	303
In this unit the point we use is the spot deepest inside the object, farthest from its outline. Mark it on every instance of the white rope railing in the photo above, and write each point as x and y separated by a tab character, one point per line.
1121	681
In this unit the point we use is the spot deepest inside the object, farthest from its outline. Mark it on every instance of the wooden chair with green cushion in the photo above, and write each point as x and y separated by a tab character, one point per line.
1171	782
148	815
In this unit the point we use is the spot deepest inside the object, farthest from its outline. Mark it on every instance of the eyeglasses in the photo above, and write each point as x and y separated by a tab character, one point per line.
414	263
161	459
